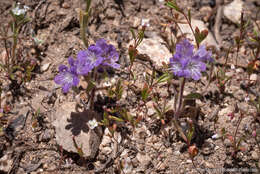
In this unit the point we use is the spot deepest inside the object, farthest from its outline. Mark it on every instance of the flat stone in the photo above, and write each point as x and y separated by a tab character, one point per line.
106	141
68	124
209	40
155	49
233	11
107	150
45	67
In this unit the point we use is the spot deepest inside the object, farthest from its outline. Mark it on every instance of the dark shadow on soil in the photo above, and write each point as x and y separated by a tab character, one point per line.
78	121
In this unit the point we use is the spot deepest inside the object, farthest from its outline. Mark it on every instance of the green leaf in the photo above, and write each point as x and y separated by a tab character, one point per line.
194	95
133	33
88	2
159	113
140	37
91	85
190	133
164	78
189	15
145	93
115	118
119	90
200	36
173	5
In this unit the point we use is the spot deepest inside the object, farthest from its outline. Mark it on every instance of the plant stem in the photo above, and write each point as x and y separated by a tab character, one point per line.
239	121
189	22
15	30
92	96
180	98
179	109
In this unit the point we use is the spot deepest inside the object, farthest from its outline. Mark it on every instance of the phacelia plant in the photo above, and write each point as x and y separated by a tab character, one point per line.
97	58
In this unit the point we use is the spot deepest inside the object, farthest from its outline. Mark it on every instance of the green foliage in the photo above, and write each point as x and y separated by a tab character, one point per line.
132	50
145	92
222	79
13	60
164	78
194	95
172	4
79	149
200	35
116	91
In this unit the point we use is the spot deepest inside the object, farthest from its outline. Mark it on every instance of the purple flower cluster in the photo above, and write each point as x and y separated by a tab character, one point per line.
100	55
187	63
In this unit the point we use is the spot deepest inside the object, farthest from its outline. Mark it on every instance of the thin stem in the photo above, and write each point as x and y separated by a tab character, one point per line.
15	30
239	121
179	109
92	97
180	98
189	22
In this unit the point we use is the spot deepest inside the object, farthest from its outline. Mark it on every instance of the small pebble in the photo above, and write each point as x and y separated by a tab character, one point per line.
189	161
45	67
255	155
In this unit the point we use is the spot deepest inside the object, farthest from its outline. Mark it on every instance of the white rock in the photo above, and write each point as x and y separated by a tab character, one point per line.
68	123
150	112
215	136
209	40
239	70
107	132
45	67
216	148
105	141
189	161
143	159
155	49
107	150
177	153
253	77
136	21
233	11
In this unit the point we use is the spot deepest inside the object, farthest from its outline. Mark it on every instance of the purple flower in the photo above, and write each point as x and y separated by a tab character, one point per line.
109	54
87	60
187	64
203	54
67	77
96	56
